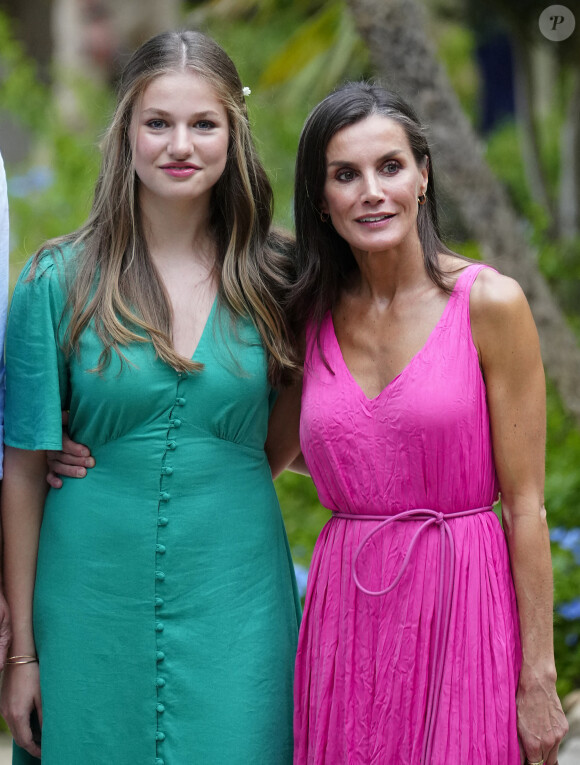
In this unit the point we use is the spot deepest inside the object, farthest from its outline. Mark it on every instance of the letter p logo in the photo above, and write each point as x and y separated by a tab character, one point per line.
557	23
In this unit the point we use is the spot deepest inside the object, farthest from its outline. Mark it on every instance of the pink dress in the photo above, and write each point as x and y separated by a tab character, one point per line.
426	673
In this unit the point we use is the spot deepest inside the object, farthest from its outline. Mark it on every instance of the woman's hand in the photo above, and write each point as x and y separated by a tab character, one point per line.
71	462
20	704
541	721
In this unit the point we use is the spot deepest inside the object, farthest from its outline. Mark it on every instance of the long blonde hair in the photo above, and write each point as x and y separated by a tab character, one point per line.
116	285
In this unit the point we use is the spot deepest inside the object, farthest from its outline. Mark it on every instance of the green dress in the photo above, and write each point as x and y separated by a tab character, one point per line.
165	609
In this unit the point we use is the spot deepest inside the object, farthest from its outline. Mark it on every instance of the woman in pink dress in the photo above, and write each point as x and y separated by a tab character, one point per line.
423	398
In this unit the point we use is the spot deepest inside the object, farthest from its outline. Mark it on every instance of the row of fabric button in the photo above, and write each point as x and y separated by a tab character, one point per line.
160	550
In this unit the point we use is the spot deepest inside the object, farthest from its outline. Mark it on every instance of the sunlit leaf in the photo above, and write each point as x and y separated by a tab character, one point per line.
311	39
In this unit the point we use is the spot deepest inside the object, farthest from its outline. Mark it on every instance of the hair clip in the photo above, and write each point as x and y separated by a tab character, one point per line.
246	91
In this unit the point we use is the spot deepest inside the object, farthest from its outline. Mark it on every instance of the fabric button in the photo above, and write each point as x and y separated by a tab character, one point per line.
159	762
160	736
164	496
162	521
171	445
159	602
160	708
175	423
167	470
160	682
159	627
160	549
180	401
160	576
160	656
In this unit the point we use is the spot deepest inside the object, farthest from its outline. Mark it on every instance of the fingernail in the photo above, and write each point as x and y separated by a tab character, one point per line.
81	473
90	462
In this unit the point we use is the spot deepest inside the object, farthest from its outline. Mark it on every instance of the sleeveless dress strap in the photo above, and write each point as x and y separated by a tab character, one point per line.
466	279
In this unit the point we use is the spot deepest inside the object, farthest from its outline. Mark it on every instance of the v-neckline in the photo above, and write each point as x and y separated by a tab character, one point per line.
205	326
411	360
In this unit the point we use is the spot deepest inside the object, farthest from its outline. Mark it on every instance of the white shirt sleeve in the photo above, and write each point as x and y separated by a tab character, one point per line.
4	253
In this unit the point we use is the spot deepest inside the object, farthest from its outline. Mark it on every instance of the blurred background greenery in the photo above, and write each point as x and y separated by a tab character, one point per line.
53	108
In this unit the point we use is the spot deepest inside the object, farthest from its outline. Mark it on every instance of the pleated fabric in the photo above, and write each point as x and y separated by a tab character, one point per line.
397	678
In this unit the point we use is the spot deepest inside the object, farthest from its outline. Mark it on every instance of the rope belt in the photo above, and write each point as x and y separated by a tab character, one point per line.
444	599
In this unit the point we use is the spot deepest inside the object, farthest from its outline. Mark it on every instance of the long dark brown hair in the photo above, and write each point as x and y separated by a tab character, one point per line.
116	285
324	259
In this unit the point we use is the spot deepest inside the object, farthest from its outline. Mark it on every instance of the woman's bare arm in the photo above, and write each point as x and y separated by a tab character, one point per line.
506	337
23	495
283	441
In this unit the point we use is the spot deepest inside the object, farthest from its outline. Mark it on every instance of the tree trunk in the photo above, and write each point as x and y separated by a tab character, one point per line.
569	193
526	121
394	31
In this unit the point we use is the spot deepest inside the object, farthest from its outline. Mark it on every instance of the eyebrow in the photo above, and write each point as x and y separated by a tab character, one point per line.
385	158
198	115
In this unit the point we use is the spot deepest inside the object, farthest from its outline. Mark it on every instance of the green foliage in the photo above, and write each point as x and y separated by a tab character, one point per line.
61	207
469	249
563	506
304	516
21	94
559	260
313	37
324	50
505	159
455	45
566	631
562	465
560	263
68	152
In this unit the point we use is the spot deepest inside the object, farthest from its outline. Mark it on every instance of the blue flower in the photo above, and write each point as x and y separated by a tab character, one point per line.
36	179
557	534
568	539
570	610
301	578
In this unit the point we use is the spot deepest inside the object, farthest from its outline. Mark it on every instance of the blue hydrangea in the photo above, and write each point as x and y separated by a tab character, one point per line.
36	179
568	539
570	610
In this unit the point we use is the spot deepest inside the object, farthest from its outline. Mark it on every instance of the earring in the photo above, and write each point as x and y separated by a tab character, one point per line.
422	199
324	216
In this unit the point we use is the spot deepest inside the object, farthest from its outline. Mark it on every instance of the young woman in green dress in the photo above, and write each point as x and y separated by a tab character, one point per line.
153	604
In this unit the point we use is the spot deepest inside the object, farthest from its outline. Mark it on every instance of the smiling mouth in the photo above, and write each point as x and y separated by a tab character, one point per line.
180	171
179	167
375	218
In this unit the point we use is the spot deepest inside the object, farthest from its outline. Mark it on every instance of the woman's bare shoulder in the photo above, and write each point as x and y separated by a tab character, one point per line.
495	296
